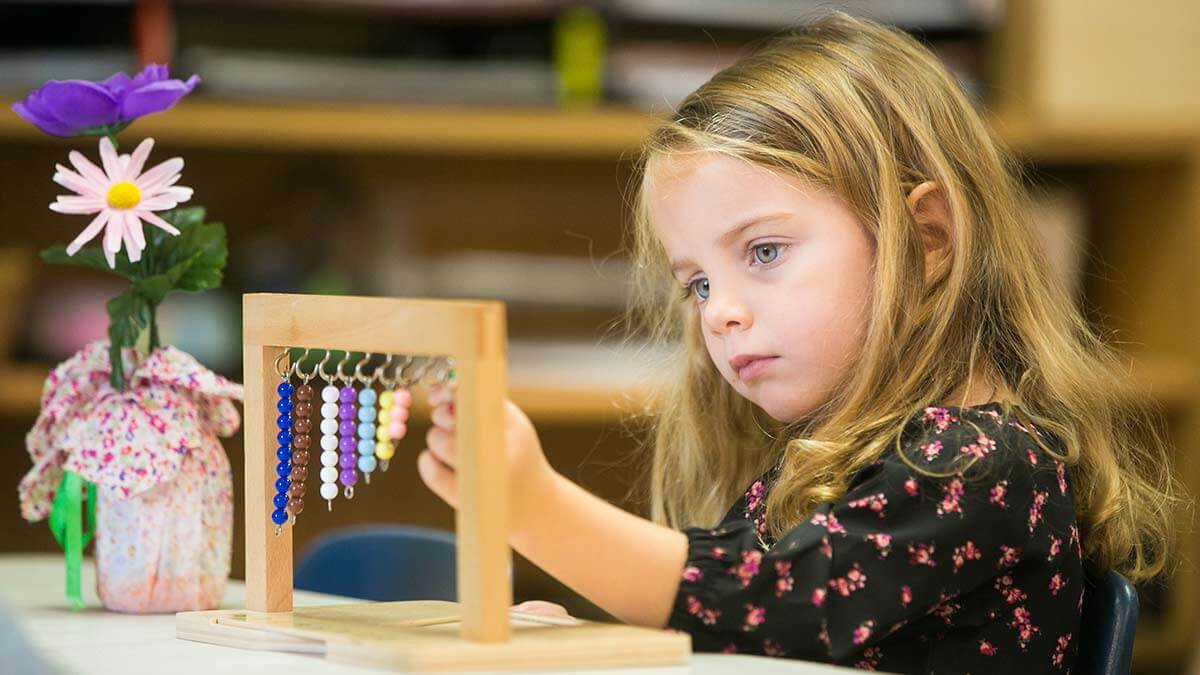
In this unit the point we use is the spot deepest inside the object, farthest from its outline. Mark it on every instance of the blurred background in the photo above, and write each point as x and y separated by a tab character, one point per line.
479	148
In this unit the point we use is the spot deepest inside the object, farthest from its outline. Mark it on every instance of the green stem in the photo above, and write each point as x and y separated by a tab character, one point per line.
153	328
112	136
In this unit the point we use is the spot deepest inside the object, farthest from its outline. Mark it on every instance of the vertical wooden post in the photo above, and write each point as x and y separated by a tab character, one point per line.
268	557
482	520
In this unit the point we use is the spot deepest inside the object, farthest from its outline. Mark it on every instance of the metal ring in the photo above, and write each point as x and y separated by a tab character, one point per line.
283	374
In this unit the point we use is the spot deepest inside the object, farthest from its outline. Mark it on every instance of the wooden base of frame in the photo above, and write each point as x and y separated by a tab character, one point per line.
424	636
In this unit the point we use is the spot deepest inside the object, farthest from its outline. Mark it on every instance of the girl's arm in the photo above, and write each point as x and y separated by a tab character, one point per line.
626	565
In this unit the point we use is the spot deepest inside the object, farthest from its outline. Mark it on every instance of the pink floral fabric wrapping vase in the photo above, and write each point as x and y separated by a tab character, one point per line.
164	511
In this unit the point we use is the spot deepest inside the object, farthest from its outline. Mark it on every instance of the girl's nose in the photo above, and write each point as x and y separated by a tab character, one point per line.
724	311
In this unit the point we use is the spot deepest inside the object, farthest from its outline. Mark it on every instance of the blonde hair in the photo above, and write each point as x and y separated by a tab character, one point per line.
867	112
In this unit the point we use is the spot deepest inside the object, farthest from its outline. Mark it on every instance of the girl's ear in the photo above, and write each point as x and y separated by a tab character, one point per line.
931	210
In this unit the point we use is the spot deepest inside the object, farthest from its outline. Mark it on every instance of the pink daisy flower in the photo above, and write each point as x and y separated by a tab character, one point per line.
121	196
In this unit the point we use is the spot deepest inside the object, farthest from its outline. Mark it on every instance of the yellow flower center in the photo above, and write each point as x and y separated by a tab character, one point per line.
124	195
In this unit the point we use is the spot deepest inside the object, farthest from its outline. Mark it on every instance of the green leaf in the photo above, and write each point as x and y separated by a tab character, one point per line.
200	248
90	256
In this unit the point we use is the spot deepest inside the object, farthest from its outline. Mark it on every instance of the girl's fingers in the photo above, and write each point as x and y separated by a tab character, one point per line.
541	607
438	478
443	417
441	444
439	395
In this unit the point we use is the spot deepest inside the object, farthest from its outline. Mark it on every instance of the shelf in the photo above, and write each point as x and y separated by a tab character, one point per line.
583	384
373	128
604	132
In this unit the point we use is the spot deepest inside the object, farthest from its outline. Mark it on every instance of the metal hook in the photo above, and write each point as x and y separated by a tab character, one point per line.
358	373
378	374
398	376
342	364
304	377
283	374
321	367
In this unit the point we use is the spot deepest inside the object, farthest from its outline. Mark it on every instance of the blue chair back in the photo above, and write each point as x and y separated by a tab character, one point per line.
1110	612
381	563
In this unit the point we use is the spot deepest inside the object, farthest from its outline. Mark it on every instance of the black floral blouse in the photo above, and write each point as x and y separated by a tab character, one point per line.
977	572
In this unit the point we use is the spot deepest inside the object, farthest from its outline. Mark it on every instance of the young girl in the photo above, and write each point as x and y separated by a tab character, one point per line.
934	441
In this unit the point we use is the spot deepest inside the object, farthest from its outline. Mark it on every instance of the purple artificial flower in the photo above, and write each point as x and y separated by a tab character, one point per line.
77	107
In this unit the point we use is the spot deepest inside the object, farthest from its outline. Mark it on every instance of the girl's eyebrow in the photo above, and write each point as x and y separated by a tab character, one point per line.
730	235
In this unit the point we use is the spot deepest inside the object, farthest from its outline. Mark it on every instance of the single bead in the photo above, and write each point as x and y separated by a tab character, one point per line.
282	485
366	464
301	442
366	430
329	394
346	395
347	444
346	411
329	458
283	453
367	397
329	411
348	477
279	516
329	474
347	427
295	506
284	437
284	389
366	446
302	425
346	461
399	414
284	405
304	392
296	490
329	442
283	421
280	500
366	414
385	450
283	469
299	474
397	429
300	457
329	426
381	433
403	397
303	409
328	491
386	399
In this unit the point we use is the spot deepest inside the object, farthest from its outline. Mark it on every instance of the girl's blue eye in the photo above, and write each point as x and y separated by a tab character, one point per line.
774	248
689	289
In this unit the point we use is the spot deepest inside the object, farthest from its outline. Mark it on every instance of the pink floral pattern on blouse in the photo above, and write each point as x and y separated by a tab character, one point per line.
979	571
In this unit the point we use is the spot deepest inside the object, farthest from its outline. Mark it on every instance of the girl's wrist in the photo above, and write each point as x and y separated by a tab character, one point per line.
531	501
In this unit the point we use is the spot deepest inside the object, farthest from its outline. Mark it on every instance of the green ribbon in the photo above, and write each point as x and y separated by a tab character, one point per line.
66	523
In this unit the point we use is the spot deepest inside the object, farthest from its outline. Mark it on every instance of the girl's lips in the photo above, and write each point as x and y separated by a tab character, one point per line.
755	368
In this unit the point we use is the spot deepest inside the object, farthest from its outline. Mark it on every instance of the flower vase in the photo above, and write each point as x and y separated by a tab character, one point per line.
163	485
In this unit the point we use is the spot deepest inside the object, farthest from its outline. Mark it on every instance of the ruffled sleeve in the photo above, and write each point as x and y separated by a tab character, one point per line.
897	549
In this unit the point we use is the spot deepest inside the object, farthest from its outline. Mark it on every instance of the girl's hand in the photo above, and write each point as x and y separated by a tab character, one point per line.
528	471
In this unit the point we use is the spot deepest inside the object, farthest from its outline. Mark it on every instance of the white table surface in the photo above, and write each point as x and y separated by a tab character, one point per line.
93	640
